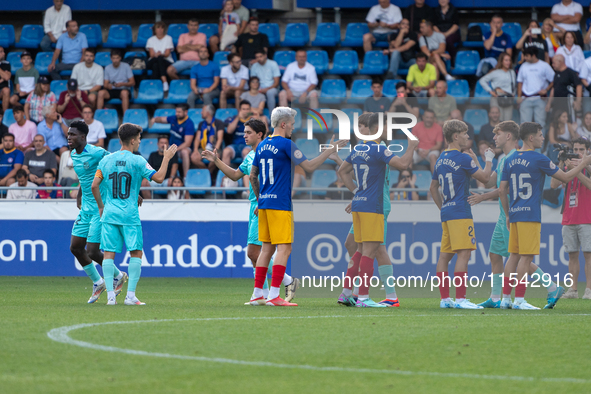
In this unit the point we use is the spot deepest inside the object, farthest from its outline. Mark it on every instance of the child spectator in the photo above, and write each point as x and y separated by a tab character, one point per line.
23	130
229	25
40	98
25	79
178	194
49	181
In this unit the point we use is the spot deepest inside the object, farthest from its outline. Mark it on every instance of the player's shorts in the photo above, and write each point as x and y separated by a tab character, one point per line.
88	226
575	237
275	226
499	243
368	227
352	229
253	226
524	238
114	235
457	235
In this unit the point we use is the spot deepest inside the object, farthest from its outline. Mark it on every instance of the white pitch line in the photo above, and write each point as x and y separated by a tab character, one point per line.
61	334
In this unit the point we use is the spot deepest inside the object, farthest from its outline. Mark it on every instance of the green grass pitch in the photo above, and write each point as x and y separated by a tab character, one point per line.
196	336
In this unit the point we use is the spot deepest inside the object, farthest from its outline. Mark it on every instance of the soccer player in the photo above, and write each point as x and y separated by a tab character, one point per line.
86	233
254	132
453	170
369	160
122	173
523	176
271	180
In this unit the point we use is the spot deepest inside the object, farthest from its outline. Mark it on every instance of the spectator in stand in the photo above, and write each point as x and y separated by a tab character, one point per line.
256	99
584	129
71	46
96	129
178	194
433	45
205	79
567	88
406	180
531	40
23	129
405	101
234	76
39	160
21	181
377	102
3	128
209	135
501	82
182	132
155	161
40	98
416	13
446	20
430	135
229	26
269	76
495	42
534	81
90	76
552	33
441	103
188	49
299	82
561	130
49	181
421	77
71	102
486	130
248	44
25	79
159	48
5	75
403	49
567	14
235	129
118	81
54	131
244	15
573	54
384	18
457	115
11	160
55	24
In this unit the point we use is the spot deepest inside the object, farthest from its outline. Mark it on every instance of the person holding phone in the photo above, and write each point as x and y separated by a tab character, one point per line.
533	38
54	131
71	102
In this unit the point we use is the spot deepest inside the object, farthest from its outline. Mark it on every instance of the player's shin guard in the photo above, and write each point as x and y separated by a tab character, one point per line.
387	277
461	288
92	273
108	265
135	271
508	287
352	271
497	286
116	271
277	278
366	273
444	283
520	290
544	279
260	276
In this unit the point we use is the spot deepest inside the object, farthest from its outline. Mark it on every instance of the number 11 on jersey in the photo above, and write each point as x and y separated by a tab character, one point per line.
263	172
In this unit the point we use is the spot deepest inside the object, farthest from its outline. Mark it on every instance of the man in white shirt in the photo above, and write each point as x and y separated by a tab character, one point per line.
54	24
384	18
269	75
567	14
535	79
96	129
299	82
21	181
89	76
234	77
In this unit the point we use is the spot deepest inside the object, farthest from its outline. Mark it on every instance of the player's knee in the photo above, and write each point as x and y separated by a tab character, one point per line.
253	255
313	93
367	37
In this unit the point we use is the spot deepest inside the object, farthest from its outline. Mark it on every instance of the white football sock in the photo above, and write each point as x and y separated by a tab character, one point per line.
273	293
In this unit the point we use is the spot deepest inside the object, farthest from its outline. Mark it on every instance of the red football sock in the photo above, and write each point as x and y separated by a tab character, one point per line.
278	273
259	277
365	272
443	285
461	289
507	286
520	290
353	271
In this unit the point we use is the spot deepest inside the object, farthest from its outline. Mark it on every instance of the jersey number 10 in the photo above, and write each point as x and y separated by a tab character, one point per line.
121	189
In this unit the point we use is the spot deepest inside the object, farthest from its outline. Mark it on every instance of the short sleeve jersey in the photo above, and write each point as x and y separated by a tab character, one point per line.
276	158
123	172
499	171
453	170
369	162
526	172
9	159
245	167
178	131
238	135
85	165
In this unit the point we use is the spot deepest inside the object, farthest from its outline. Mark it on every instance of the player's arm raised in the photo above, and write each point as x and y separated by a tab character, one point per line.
233	174
403	162
566	177
434	189
483	175
311	165
159	176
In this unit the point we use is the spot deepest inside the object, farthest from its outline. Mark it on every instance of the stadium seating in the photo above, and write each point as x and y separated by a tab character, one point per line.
374	63
350	112
31	36
42	61
354	34
175	30
283	58
57	87
318	127
93	33
333	91
459	89
272	32
296	35
162	127
209	29
141	54
345	63
6	36
319	59
393	177
466	63
587	54
221	58
143	34
14	58
108	117
198	178
8	118
310	148
178	92
119	36
327	35
360	90
423	180
322	179
513	29
150	92
138	116
147	146
114	145
389	89
195	115
484	27
403	143
477	118
481	96
218	183
298	119
103	59
224	114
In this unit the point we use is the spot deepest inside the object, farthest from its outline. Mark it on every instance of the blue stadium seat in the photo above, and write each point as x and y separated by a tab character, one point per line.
318	127
143	34
389	89
195	115
31	36
298	119
403	143
209	29
138	116
119	36
423	180
360	90
6	36
103	59
296	35
8	118
224	114
481	96
198	178
150	92
327	35
14	58
345	63
272	32
283	58
319	59
310	148
141	54
175	30
221	58
477	118
114	145
93	33
393	177
333	91
108	117
42	61
147	146
466	63
485	27
162	127
323	178
587	54
218	183
374	63
178	92
57	87
350	112
354	34
459	89
514	31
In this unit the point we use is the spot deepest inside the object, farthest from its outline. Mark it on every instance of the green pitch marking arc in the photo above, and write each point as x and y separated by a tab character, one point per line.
61	334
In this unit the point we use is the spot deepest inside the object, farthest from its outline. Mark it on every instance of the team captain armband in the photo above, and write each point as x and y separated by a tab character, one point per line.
99	174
